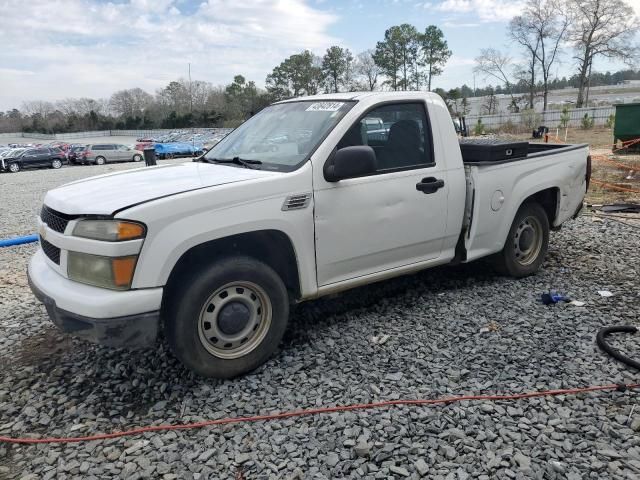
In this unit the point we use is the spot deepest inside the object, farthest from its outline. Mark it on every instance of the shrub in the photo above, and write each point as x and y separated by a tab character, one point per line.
611	121
530	119
564	117
586	122
479	128
509	127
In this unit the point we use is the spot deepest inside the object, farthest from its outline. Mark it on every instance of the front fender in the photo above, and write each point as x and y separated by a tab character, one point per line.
180	222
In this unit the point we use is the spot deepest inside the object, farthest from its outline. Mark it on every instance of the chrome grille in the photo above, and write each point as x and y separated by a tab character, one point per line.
50	251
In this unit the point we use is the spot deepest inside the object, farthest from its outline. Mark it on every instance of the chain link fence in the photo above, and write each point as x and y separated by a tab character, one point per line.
551	118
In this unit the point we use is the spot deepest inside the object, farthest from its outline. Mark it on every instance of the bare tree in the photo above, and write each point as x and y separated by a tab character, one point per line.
367	68
601	28
38	107
491	103
493	63
522	30
540	30
130	103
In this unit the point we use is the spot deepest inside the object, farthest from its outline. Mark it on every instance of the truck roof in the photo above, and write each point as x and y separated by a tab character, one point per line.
362	95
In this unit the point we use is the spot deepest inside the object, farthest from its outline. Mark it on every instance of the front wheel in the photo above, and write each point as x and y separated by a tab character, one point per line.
137	158
56	164
100	161
227	318
14	167
527	242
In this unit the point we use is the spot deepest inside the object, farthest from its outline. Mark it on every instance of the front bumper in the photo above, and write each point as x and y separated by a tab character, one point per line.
112	318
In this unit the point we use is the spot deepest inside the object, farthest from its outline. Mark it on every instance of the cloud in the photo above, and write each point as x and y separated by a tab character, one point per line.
454	24
485	10
457	61
93	48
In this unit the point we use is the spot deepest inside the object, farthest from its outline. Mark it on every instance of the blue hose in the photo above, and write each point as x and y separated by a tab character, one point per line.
10	242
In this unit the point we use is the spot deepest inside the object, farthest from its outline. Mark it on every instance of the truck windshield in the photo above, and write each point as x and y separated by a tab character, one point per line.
281	136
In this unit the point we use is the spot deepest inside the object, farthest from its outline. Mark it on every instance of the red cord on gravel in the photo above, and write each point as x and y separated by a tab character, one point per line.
316	411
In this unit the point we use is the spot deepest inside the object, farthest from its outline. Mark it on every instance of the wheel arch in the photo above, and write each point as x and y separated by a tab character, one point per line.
548	198
272	247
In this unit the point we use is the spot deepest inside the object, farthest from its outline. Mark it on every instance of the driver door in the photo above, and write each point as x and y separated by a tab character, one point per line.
382	221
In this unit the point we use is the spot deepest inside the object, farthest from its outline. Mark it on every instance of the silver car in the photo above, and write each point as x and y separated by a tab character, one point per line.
101	153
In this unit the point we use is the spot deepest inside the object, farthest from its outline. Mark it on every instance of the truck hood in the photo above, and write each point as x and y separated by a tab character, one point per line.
106	194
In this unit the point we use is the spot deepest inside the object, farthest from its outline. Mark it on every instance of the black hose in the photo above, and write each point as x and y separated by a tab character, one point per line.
602	343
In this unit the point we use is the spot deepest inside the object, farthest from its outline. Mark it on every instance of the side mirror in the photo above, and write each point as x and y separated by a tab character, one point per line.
351	162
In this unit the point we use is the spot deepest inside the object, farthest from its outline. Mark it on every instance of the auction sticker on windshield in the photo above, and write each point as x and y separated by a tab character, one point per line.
325	107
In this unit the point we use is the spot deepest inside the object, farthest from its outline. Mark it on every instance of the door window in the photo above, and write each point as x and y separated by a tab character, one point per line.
398	133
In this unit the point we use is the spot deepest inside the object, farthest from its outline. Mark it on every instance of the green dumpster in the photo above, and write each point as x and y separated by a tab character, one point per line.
627	126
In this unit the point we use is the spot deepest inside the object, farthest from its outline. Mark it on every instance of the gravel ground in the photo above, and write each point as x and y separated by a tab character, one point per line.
451	331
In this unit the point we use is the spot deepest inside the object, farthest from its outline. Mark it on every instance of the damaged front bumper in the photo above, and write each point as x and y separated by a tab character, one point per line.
118	328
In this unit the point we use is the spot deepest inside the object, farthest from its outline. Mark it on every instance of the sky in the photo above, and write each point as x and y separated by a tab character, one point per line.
56	49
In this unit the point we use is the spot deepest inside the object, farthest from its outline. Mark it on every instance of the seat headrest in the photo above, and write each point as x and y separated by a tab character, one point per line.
406	132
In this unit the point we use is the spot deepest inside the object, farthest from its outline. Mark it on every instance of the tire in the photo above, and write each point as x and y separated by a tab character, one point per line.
100	160
227	318
14	167
527	243
137	158
56	164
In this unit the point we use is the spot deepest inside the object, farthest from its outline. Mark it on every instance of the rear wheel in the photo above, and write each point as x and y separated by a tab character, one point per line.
137	158
14	167
228	318
56	164
100	160
527	242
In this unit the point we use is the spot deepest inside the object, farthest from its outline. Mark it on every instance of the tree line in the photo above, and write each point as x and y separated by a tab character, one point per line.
592	29
405	59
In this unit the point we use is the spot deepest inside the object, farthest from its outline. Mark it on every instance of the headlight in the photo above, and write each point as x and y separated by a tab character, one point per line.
108	230
115	273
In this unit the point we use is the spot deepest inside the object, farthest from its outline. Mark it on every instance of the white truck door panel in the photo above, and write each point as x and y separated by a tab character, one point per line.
370	224
382	221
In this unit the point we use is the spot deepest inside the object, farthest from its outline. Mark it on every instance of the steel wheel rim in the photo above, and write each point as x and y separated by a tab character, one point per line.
235	296
527	242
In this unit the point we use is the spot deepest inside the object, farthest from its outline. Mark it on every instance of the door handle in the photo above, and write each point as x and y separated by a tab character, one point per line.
430	185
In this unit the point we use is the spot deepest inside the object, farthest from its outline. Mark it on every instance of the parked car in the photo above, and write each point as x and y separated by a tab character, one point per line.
34	158
101	153
12	152
177	149
77	154
142	145
220	248
64	146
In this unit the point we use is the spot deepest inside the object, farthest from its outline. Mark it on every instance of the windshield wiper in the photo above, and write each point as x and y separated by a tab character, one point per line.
245	162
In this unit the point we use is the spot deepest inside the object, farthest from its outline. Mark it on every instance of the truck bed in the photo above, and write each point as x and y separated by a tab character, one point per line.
495	190
490	150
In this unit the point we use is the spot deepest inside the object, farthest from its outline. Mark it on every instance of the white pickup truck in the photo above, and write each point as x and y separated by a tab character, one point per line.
300	201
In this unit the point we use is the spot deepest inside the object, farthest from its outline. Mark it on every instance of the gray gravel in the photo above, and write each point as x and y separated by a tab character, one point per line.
451	331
